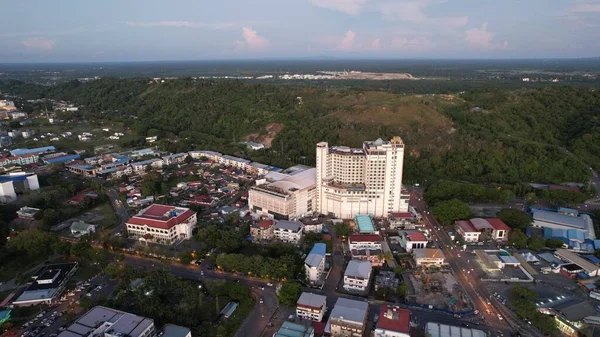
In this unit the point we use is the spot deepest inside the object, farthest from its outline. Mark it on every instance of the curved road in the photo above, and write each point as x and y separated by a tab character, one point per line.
258	319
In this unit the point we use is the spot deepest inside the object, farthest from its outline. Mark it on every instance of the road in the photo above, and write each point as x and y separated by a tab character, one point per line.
259	317
120	209
474	287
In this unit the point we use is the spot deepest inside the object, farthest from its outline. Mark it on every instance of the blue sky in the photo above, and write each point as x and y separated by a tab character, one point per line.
146	30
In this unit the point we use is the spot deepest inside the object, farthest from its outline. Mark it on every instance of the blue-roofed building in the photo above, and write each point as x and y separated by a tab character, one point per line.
592	259
582	223
20	152
314	264
289	329
571	237
365	224
61	159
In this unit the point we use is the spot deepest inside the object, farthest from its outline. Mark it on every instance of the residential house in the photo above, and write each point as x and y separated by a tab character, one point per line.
288	231
366	247
393	322
357	275
311	306
262	230
314	264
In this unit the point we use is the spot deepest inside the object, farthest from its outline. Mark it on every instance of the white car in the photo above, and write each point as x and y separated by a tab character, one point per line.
500	317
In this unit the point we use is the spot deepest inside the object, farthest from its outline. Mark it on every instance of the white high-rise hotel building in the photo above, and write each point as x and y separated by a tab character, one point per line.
353	181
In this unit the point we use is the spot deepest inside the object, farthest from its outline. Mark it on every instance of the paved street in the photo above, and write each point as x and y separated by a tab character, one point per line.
120	209
472	284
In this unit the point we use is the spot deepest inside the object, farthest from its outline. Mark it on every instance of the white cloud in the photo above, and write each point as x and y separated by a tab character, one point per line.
252	41
376	44
587	6
39	43
347	42
482	38
414	11
181	24
351	7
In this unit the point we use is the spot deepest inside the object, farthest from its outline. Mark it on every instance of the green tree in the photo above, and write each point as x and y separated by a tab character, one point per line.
342	229
402	289
289	293
536	243
449	211
514	218
185	257
517	239
554	243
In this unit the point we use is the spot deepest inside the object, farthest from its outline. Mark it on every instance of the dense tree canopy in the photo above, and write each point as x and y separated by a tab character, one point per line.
515	218
449	211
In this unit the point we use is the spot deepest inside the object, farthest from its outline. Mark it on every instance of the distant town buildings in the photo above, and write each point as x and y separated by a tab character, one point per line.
162	223
365	180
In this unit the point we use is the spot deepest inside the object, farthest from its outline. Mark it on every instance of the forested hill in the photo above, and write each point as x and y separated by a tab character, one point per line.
489	135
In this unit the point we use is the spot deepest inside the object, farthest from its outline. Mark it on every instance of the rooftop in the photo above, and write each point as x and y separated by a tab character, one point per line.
266	224
442	330
161	216
288	225
115	320
466	226
559	219
350	310
316	255
574	258
365	223
429	253
365	238
393	318
359	269
171	330
311	300
416	236
289	329
46	282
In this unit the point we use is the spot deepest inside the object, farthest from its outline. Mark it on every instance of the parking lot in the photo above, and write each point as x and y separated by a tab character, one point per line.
54	319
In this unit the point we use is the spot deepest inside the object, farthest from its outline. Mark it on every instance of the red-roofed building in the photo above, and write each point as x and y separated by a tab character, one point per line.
87	193
263	230
500	231
364	241
162	223
203	200
410	240
466	229
393	322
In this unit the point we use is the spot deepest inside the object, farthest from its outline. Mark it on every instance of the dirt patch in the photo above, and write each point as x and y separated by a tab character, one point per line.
266	136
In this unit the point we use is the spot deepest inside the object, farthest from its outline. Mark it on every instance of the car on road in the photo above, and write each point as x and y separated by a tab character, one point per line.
261	300
270	284
500	317
262	287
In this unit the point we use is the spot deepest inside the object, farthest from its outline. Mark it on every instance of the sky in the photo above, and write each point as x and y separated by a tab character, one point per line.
154	30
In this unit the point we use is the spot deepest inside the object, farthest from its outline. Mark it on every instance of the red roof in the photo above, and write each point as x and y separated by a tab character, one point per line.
266	224
319	328
157	216
416	236
402	215
466	226
498	224
364	238
397	319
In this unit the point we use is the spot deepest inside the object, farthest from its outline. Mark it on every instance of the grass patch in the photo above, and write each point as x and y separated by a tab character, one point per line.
110	218
17	267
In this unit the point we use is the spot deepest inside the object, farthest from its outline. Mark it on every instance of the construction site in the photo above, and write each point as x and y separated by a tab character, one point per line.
437	289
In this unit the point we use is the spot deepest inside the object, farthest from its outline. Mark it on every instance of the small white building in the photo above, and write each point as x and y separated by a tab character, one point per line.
79	228
410	240
288	231
364	241
429	257
311	306
314	265
357	275
468	231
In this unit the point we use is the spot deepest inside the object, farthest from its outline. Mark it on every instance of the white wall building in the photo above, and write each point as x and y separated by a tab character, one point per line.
364	241
410	240
314	264
357	275
288	231
348	318
289	194
162	223
311	306
365	180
